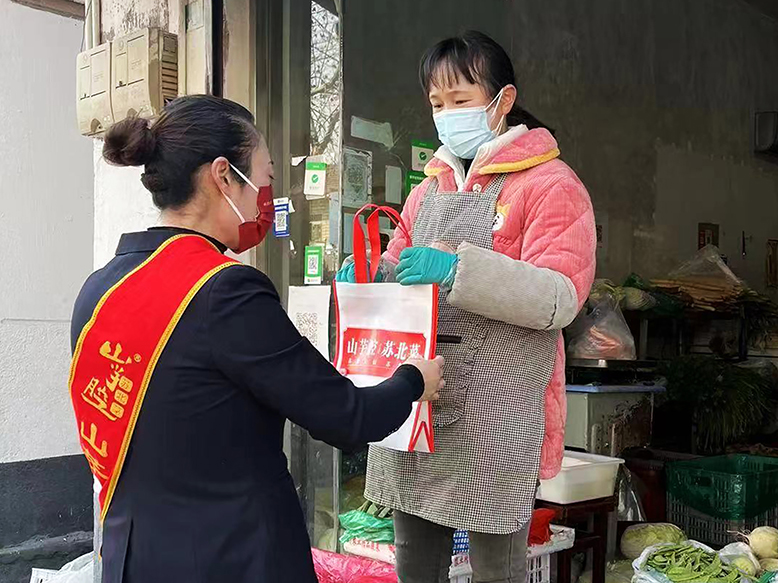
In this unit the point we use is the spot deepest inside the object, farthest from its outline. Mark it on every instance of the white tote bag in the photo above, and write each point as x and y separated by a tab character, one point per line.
380	326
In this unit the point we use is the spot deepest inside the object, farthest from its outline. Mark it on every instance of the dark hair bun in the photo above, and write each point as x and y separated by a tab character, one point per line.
191	131
130	143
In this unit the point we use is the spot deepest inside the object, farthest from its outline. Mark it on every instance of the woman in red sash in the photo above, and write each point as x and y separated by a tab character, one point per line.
186	368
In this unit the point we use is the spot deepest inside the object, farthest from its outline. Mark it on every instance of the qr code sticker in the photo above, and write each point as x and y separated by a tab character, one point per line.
313	264
307	324
281	221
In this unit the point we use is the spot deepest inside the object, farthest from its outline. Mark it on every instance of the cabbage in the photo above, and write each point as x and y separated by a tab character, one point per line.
744	564
770	565
764	542
639	537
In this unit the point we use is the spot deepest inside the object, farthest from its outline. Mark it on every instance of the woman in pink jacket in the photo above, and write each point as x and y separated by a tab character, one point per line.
507	230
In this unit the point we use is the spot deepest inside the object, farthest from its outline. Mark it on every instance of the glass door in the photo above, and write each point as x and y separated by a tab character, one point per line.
299	88
347	124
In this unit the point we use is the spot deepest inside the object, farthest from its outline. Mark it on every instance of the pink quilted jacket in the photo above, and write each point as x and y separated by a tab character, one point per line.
544	217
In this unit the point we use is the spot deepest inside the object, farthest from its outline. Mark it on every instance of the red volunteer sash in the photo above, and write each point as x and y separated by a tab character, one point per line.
120	346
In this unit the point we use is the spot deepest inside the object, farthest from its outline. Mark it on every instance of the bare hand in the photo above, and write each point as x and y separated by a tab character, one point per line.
432	371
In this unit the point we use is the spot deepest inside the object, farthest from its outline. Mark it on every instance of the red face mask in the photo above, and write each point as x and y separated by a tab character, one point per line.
251	233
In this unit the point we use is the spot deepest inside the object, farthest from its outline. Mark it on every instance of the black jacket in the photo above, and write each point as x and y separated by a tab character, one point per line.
205	495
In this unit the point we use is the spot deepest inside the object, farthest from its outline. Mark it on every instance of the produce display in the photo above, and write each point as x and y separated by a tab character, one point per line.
663	555
639	537
685	563
705	280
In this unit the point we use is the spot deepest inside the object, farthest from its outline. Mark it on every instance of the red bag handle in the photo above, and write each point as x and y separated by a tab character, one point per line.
361	272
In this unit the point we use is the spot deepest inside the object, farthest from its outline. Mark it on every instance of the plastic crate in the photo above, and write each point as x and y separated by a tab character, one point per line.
716	532
732	487
539	569
461	542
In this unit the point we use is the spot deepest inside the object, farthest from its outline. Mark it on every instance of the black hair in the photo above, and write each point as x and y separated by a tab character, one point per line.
478	59
192	131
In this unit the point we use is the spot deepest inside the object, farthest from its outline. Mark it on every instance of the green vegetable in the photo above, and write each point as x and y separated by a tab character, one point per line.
686	563
639	537
637	299
727	403
764	542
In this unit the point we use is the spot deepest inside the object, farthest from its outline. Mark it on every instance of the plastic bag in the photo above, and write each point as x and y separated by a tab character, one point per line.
368	523
334	568
384	552
602	334
707	267
630	508
734	550
540	526
78	571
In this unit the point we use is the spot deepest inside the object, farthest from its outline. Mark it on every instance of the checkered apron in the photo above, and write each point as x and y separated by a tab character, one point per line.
489	422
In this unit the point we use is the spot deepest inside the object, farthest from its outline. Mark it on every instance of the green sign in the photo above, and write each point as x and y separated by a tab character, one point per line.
314	262
413	179
421	154
315	179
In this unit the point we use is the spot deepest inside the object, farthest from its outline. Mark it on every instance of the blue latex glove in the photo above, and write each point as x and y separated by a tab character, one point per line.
347	275
420	265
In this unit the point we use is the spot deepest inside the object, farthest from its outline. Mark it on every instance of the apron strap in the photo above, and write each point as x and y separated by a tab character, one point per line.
432	188
495	185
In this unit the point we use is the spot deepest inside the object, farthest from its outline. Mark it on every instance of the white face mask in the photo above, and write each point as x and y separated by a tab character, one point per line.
465	130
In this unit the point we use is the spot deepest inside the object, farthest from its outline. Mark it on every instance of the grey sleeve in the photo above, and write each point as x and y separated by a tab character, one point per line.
500	288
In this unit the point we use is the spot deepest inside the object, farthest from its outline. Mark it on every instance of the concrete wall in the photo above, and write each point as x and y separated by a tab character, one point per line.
653	103
122	17
45	229
46	222
121	202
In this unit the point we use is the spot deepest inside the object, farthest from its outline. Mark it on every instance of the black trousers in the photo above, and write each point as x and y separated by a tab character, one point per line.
424	553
